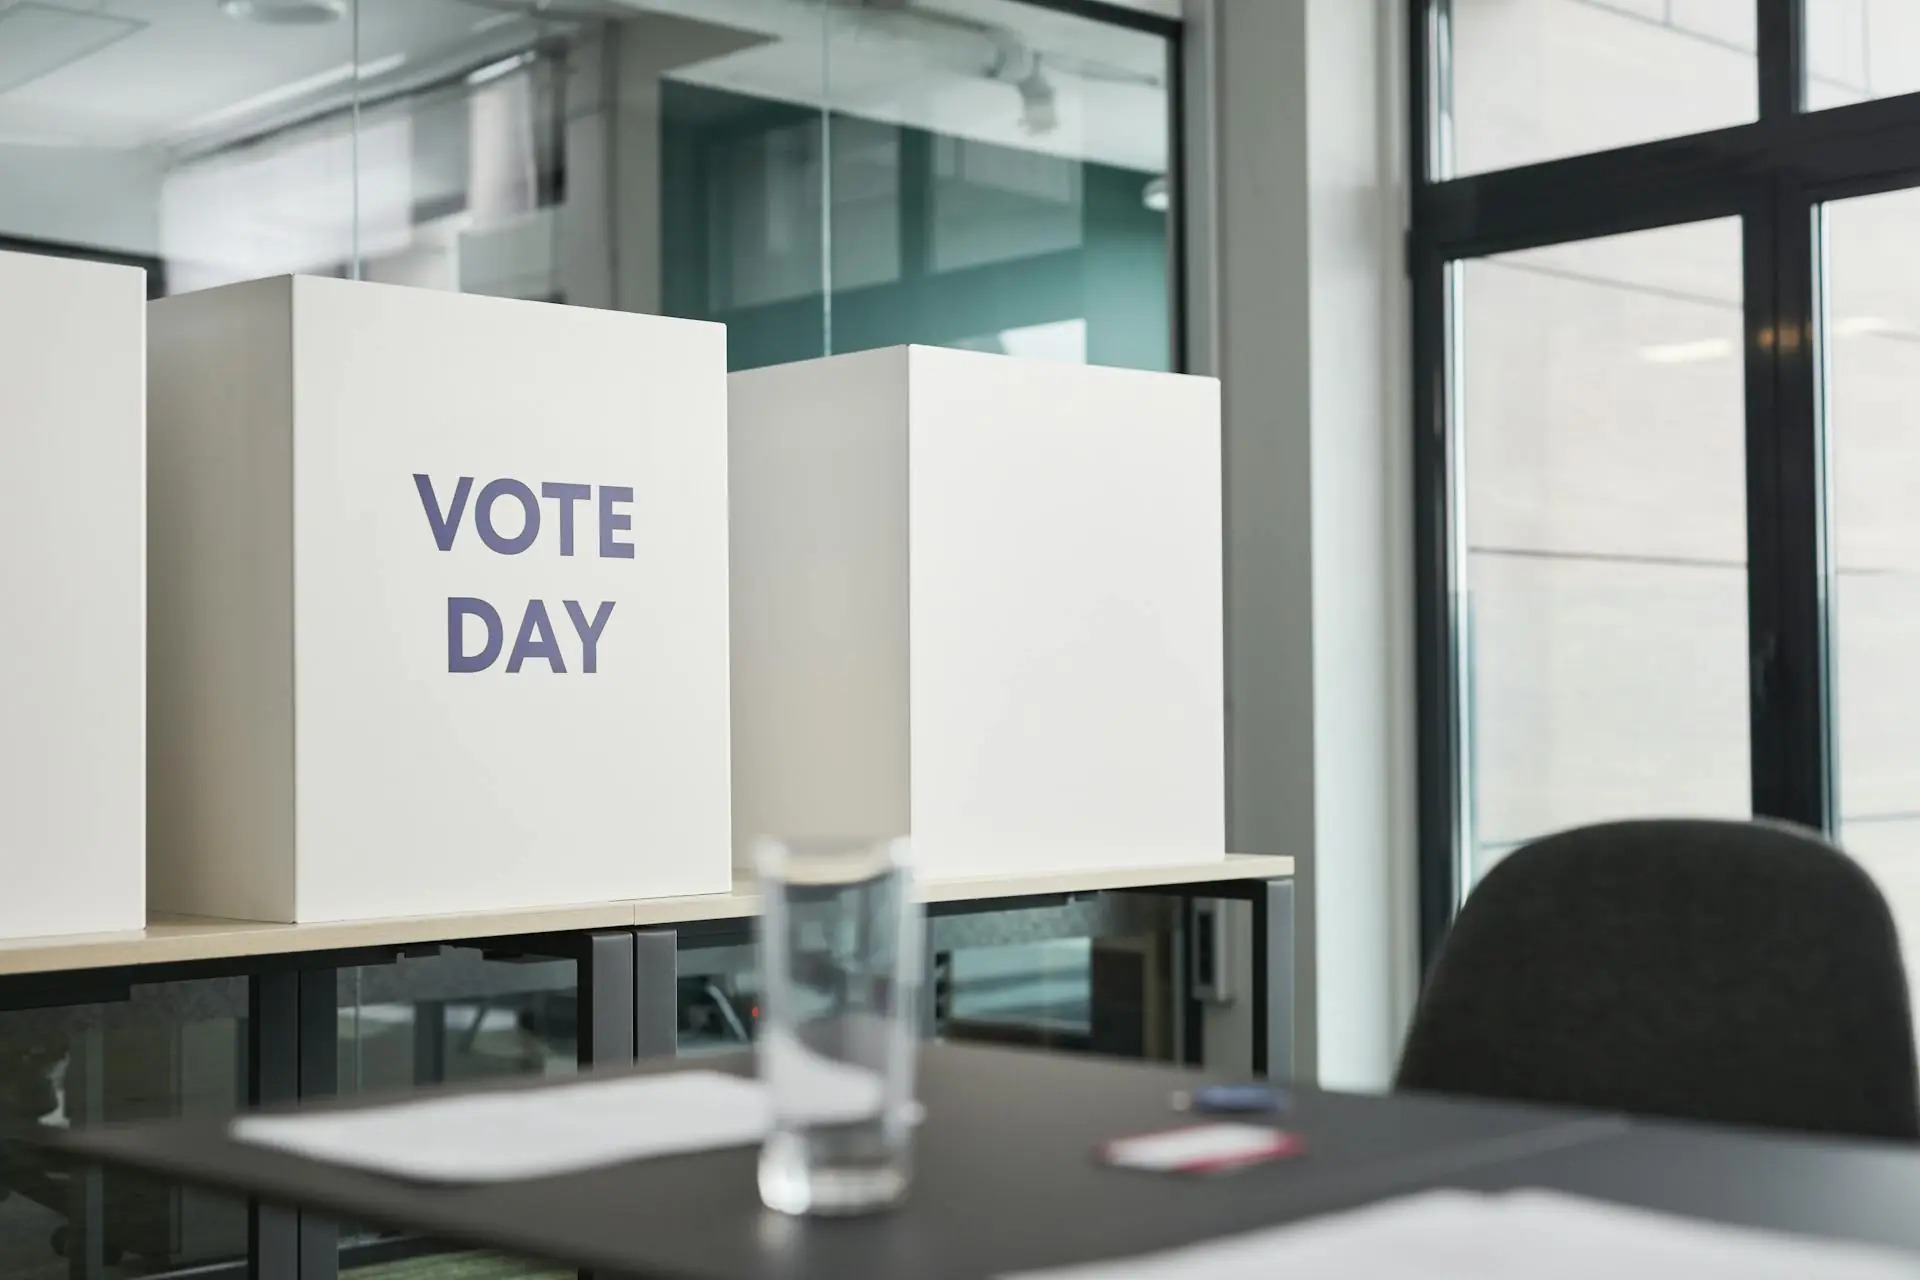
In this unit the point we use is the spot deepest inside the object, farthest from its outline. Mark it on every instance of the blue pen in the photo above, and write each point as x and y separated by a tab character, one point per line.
1232	1099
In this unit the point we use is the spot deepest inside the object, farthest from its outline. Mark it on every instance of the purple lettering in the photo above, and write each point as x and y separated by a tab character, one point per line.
443	526
459	609
483	516
589	632
567	494
536	640
610	522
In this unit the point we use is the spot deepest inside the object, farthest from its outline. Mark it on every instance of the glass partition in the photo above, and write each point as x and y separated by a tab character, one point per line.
168	1049
979	173
458	1015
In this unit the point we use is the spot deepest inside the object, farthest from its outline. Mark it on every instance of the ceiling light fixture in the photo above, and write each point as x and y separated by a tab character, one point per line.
1156	195
285	13
495	70
1039	112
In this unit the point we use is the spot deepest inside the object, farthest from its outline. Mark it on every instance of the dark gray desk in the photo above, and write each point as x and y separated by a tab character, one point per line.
1865	1191
1006	1180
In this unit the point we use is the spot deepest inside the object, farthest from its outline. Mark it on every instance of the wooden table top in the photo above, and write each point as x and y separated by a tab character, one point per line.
170	939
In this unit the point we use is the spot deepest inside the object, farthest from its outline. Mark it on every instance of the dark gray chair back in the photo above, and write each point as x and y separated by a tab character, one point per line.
1740	973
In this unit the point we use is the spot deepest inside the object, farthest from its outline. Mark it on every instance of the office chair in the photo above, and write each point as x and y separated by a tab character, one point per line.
1738	973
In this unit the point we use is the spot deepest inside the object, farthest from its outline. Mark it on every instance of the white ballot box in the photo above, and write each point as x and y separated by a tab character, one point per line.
439	603
978	600
73	592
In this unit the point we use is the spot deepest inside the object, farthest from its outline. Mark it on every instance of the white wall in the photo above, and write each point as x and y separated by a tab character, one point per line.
1295	202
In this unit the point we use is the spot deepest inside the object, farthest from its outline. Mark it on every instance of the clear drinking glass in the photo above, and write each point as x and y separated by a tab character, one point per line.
840	954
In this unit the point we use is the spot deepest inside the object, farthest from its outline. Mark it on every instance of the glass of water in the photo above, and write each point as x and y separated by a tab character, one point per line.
840	955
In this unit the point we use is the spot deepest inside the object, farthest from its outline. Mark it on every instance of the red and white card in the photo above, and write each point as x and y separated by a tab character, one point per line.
1202	1148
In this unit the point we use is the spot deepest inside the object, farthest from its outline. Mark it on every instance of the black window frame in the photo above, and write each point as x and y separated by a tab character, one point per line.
1774	173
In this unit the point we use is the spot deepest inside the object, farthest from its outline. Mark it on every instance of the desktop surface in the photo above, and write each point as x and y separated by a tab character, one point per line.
1006	1178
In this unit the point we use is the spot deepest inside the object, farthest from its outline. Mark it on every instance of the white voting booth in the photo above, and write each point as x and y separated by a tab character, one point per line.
439	607
72	597
978	600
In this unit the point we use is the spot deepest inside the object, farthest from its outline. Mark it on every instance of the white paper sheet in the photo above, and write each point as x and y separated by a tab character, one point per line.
1522	1235
536	1133
528	1133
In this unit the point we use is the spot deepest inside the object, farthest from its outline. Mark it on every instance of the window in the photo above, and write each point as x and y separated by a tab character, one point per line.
1666	309
1871	324
1860	49
1531	80
1605	534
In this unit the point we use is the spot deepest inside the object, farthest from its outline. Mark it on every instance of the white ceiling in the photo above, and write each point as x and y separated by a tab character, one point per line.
190	61
189	70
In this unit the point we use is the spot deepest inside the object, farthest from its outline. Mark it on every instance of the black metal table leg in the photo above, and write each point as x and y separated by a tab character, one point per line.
609	1002
430	1039
319	1078
607	994
273	1076
1273	971
656	993
86	1228
292	1053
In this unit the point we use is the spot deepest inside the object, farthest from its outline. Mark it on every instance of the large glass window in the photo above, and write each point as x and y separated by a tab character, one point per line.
1605	522
1871	328
1859	49
1669	559
1532	80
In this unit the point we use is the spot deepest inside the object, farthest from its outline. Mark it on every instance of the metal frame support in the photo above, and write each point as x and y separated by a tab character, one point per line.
273	1076
430	1040
628	984
86	1229
319	1012
931	995
1273	979
1272	993
608	998
1191	1018
293	1049
656	993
